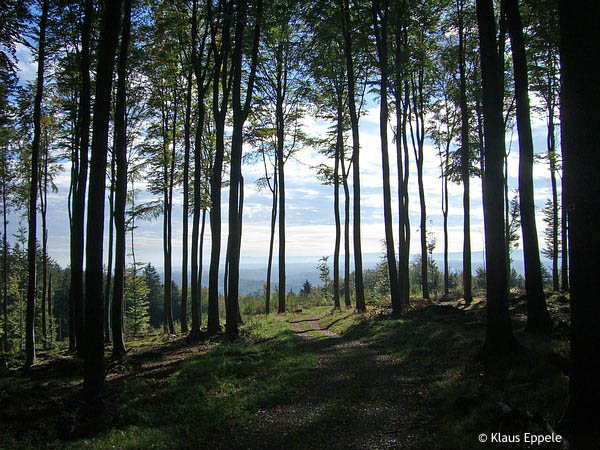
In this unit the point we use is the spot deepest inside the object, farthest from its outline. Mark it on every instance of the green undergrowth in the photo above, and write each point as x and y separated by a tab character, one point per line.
439	345
188	404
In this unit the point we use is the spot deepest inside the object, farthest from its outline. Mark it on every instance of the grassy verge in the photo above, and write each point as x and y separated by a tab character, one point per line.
185	403
439	344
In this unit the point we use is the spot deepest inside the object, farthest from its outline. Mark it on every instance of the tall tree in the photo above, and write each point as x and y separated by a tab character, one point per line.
347	27
580	74
76	292
241	108
33	193
219	19
538	318
499	337
201	65
93	379
380	11
120	151
465	156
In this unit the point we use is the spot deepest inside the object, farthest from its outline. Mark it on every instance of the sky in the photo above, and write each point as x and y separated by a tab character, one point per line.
310	229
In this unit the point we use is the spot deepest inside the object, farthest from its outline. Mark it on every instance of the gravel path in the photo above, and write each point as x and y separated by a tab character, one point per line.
356	398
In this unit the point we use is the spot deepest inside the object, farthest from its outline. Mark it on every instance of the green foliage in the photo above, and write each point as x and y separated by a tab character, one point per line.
136	300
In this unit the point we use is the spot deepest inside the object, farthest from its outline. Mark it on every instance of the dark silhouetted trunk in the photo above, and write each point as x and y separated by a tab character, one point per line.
220	47
274	190
465	156
538	318
43	210
580	97
111	211
200	71
120	156
347	292
380	17
93	378
358	274
499	337
76	292
418	142
240	113
551	143
33	192
5	264
336	201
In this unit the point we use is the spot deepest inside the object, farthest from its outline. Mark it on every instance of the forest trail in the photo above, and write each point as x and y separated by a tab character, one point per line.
357	397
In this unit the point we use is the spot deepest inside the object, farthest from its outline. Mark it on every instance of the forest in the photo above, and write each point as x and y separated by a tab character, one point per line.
167	119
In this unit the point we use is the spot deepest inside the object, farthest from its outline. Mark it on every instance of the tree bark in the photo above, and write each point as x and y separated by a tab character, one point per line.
35	152
499	337
380	23
358	270
120	153
111	212
465	156
240	113
538	318
77	230
579	22
93	379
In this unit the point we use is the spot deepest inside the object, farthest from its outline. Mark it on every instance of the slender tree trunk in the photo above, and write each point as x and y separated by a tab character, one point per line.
196	275
564	239
240	113
50	311
221	87
358	274
43	210
380	16
347	293
35	152
120	156
94	334
580	77
538	318
445	164
186	173
271	240
418	148
551	141
465	160
77	230
499	336
111	212
5	264
336	202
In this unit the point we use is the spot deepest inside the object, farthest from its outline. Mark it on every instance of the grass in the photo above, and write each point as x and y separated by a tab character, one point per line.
439	345
186	403
169	393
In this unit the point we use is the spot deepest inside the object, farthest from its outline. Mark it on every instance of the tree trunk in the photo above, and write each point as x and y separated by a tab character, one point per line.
5	263
564	239
465	157
186	195
347	288
358	274
220	101
538	318
551	141
380	16
336	202
271	240
581	146
77	230
94	336
499	337
120	156
111	211
35	152
43	210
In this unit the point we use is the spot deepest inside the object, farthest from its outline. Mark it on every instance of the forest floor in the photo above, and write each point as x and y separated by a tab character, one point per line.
320	378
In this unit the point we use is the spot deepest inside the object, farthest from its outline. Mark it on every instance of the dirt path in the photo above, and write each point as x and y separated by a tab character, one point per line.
356	398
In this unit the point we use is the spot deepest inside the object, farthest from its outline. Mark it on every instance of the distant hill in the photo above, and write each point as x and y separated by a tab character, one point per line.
298	269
